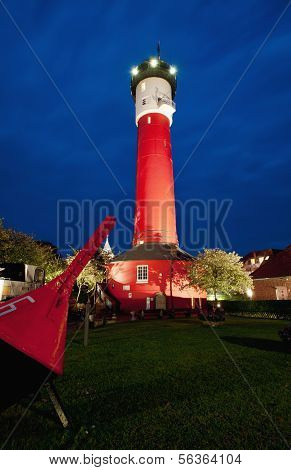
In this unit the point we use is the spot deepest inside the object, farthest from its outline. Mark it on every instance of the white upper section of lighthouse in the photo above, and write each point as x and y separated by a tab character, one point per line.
154	95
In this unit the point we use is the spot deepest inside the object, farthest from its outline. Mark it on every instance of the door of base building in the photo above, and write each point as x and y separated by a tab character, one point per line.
160	301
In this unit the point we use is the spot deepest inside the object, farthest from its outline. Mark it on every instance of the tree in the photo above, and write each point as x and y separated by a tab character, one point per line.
219	272
93	272
18	247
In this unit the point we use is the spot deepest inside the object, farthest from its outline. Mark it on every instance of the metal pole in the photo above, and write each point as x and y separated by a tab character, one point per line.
171	284
86	325
56	401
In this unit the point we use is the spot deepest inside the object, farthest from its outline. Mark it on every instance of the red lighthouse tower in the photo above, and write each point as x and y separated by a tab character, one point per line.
152	275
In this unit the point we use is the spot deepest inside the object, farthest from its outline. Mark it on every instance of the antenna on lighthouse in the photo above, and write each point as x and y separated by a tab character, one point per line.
159	49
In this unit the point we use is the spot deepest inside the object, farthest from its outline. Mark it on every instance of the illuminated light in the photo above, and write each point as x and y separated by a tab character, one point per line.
250	293
173	70
218	305
154	62
1	286
134	70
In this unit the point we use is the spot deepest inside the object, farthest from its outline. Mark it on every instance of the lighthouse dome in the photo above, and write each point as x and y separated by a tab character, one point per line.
153	67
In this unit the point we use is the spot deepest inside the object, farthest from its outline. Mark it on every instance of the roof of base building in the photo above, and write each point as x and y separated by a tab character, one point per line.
151	251
259	253
278	265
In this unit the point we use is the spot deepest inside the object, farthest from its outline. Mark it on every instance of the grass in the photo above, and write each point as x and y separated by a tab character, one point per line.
165	384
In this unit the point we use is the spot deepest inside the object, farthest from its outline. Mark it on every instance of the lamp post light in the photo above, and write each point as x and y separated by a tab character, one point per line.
250	293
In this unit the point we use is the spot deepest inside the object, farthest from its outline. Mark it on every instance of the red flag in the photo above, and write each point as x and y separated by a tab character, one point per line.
35	323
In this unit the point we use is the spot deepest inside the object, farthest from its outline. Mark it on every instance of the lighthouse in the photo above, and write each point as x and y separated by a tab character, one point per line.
152	275
153	88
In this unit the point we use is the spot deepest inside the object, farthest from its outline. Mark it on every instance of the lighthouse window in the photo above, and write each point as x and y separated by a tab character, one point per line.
149	119
142	273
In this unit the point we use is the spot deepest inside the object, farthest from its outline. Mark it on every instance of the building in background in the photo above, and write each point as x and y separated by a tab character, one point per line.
255	259
107	250
18	278
272	280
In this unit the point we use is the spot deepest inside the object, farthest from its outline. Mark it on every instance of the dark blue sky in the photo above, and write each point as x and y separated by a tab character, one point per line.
88	47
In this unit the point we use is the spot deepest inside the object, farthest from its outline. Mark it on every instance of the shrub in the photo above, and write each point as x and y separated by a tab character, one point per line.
215	315
285	333
275	309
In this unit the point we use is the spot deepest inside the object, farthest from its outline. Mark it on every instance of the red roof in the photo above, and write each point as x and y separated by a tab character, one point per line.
259	253
278	265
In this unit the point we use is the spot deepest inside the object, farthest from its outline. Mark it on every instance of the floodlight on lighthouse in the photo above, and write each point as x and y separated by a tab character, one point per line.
173	70
154	62
134	70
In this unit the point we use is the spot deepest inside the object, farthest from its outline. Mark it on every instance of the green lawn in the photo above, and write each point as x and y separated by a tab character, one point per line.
165	384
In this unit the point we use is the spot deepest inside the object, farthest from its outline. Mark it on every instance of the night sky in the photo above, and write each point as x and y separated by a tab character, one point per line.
88	48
